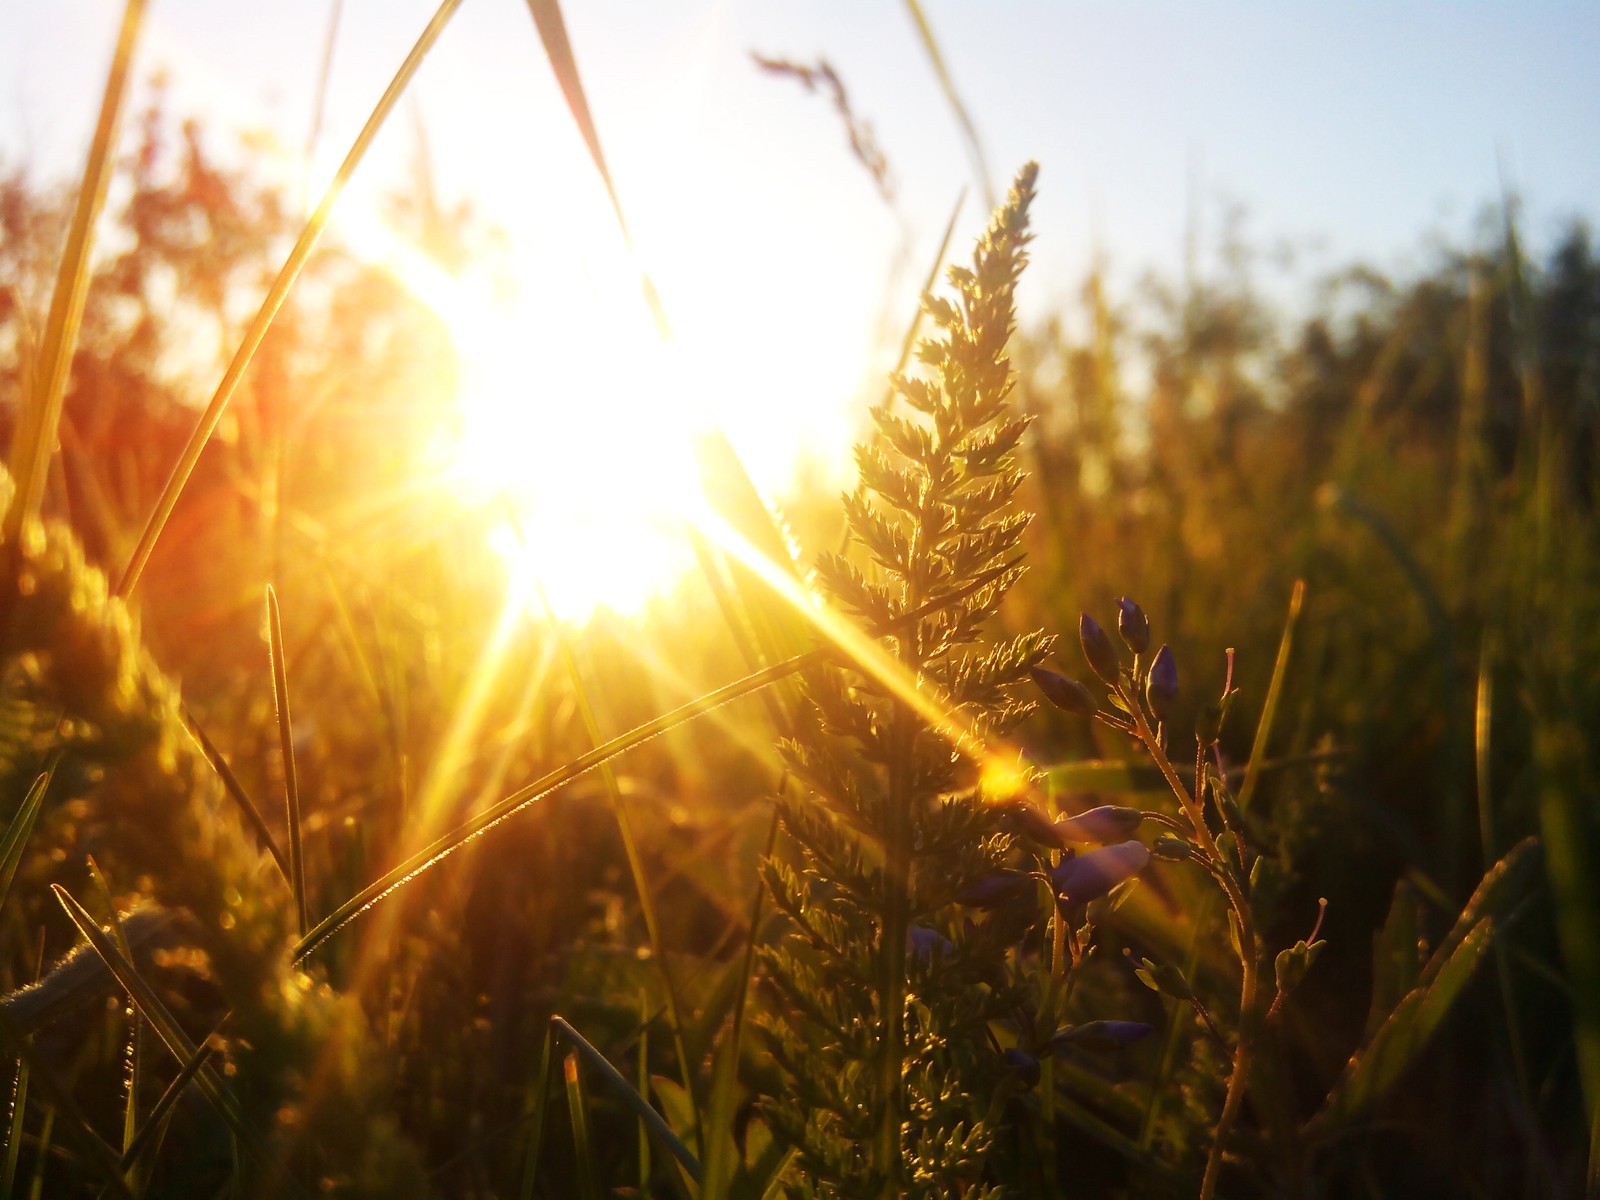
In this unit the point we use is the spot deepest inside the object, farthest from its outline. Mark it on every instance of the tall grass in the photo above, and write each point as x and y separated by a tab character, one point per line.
954	920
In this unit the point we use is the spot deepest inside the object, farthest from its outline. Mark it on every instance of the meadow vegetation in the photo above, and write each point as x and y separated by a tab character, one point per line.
1183	787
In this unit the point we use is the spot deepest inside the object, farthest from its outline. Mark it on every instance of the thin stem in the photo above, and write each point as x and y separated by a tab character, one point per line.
1194	809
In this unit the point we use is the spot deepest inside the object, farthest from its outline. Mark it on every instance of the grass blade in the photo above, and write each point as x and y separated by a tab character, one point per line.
541	1101
35	438
56	1094
1566	823
154	1128
909	342
662	1132
583	1148
130	1111
630	843
235	790
19	1107
21	826
1378	1066
722	1160
930	44
291	785
552	29
170	1032
452	841
1269	709
276	294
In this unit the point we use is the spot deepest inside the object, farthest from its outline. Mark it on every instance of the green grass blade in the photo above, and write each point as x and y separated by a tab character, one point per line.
630	844
909	342
15	840
1401	1039
659	1129
236	792
42	1078
19	1107
643	1088
291	784
452	841
541	1102
721	1159
552	29
171	1033
1572	866
130	1112
1269	709
40	418
276	294
583	1148
154	1127
930	44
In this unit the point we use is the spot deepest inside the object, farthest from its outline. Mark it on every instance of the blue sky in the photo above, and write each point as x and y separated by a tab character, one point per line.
1350	130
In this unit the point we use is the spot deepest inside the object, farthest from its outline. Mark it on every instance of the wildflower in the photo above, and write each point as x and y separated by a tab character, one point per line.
1090	876
1103	825
1164	978
923	943
1025	1065
1098	650
1162	688
1173	848
1101	1035
1133	626
1018	816
1064	693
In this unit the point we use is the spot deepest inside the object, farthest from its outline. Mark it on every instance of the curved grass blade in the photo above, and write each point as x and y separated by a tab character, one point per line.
170	1032
980	162
291	785
1269	709
235	790
279	291
659	1129
558	48
452	841
35	438
56	1094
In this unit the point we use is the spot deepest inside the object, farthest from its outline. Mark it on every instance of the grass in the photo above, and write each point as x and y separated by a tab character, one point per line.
933	994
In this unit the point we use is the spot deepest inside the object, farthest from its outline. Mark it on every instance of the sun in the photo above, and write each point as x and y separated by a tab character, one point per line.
579	413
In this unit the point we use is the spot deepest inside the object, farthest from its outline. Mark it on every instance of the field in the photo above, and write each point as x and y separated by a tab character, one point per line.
1179	781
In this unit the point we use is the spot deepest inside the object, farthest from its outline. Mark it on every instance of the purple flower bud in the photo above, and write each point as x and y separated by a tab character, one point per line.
1133	626
1162	688
923	943
997	890
1090	876
1018	816
1099	651
1064	693
1103	825
1025	1065
1101	1035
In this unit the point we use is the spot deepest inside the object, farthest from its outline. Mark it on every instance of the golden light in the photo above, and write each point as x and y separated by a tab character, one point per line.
578	417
